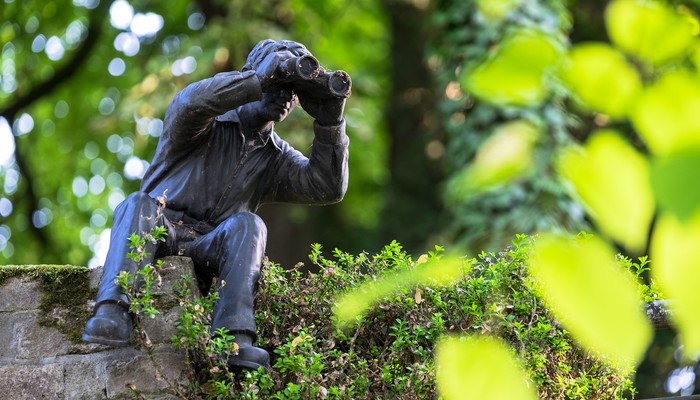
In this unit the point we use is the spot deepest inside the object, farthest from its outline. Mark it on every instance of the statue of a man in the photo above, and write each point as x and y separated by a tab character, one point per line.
217	160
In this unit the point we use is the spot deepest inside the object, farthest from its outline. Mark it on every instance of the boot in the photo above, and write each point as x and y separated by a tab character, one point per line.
111	325
249	356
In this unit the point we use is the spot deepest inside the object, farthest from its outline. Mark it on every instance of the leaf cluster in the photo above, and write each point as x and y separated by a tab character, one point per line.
472	33
388	351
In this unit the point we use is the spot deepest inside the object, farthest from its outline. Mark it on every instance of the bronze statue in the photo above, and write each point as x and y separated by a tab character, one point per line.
217	160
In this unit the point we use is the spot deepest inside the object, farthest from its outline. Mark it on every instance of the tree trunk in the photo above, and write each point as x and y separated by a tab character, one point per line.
413	207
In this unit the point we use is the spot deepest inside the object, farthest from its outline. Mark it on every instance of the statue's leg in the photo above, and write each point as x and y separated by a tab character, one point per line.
112	324
236	249
137	214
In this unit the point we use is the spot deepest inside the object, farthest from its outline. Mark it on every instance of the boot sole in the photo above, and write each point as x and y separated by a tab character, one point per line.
108	342
247	365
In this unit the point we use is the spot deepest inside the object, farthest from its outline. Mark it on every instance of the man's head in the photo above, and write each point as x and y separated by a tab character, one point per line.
267	46
278	103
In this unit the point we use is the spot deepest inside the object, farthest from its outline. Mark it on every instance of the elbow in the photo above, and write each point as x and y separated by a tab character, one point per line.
336	197
337	192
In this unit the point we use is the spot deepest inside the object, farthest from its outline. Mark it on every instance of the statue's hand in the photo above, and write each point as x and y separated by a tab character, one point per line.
269	71
325	110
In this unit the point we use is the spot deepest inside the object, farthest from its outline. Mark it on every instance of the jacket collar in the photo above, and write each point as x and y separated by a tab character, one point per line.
232	116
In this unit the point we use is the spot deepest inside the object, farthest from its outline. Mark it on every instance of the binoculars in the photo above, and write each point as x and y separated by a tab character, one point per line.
306	74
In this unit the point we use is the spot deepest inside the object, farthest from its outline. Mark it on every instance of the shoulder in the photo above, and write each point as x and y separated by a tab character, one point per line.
279	144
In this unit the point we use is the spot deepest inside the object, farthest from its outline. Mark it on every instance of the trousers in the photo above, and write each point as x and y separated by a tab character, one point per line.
233	251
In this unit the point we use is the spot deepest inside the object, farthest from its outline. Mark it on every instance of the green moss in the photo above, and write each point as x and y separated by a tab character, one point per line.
35	271
65	292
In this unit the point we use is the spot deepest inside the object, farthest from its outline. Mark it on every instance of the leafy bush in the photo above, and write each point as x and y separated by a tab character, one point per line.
388	352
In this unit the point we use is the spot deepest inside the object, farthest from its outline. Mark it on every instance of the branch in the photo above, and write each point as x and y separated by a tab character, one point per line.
42	89
66	71
212	9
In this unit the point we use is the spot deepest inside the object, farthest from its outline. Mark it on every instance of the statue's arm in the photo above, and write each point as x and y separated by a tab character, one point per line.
322	178
194	108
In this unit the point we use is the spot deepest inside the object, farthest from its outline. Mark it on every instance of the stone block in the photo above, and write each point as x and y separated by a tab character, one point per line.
161	328
84	378
19	382
171	272
18	294
139	373
38	342
95	276
10	324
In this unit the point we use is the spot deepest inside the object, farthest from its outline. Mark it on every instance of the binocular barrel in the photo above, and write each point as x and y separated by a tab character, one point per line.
312	75
306	67
338	83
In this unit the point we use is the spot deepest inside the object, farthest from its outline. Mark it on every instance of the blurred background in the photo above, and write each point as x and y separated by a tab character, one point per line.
84	85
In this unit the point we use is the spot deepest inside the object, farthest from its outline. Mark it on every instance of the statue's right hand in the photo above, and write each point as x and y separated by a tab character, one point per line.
270	72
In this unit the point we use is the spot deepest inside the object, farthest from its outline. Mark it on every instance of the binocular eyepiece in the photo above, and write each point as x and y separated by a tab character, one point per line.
305	72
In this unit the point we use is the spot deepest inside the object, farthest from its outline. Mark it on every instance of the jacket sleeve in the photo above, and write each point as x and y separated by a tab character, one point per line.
191	113
322	178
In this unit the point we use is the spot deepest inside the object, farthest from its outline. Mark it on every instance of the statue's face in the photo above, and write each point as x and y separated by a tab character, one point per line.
275	106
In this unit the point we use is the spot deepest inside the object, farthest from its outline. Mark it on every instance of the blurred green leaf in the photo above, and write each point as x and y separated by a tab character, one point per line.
649	30
506	155
612	180
435	272
481	368
496	10
666	113
515	73
676	269
602	79
672	180
592	297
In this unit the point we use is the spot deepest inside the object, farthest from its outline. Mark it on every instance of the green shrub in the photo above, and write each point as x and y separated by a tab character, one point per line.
388	352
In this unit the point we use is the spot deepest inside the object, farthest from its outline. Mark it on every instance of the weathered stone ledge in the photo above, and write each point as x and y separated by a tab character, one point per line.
42	312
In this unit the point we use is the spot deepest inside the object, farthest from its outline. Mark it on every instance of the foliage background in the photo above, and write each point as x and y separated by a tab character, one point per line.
86	133
82	96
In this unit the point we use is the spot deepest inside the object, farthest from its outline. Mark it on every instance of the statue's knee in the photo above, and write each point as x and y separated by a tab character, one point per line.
135	200
245	223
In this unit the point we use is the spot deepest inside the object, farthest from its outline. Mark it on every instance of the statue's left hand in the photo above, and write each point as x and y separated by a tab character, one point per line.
326	111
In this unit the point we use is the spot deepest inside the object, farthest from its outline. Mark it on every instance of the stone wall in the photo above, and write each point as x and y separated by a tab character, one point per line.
41	356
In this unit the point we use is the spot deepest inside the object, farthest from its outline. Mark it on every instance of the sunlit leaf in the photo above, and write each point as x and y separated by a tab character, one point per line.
496	10
592	297
612	180
602	79
676	269
695	55
505	156
649	30
481	368
666	113
515	73
435	273
670	178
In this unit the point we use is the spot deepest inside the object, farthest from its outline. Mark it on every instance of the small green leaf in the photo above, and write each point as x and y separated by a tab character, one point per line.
666	113
506	155
593	297
594	71
436	272
671	179
612	180
676	269
481	368
496	10
515	72
649	30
